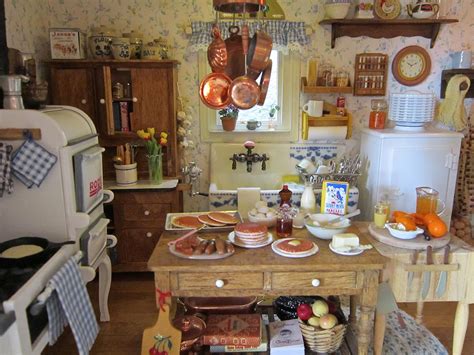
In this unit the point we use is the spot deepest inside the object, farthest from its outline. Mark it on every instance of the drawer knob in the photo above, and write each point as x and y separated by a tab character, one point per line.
102	101
219	283
149	234
315	282
146	213
134	99
83	101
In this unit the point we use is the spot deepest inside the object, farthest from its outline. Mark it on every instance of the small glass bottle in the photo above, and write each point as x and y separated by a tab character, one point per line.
285	196
284	223
378	114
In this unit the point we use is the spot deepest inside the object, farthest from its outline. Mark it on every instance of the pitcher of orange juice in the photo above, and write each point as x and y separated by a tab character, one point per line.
428	201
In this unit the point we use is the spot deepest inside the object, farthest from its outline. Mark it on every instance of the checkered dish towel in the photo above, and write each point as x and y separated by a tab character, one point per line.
70	303
6	181
31	163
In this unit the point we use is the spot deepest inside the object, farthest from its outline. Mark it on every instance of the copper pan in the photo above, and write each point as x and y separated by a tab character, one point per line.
214	90
264	82
235	54
244	91
259	51
236	6
217	52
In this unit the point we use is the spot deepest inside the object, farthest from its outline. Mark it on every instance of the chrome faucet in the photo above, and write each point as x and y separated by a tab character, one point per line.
249	157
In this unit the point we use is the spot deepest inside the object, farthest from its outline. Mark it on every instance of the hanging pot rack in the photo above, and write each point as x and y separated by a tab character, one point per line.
238	6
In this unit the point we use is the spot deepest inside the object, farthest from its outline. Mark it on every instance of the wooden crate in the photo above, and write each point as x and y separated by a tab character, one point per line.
370	76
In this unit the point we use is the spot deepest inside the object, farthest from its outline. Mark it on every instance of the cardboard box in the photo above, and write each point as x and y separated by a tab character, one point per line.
286	338
246	349
67	43
233	329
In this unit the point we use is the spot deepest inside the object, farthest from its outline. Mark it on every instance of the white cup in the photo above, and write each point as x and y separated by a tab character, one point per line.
314	108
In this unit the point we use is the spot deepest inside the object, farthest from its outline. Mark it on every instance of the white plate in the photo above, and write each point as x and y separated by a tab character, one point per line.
212	256
231	238
354	251
304	254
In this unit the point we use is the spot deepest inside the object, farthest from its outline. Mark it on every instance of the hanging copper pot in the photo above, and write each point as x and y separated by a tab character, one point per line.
217	51
259	52
236	6
264	83
244	91
235	54
214	90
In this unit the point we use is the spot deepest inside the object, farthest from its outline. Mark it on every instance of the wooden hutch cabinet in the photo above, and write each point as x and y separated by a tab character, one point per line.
122	97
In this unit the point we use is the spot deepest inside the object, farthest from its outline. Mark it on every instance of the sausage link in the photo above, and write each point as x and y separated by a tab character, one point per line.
201	247
229	247
220	246
211	248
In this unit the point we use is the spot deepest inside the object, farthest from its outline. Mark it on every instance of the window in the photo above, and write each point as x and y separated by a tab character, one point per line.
283	91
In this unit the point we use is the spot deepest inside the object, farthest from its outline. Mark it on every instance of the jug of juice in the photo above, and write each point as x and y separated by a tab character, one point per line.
428	201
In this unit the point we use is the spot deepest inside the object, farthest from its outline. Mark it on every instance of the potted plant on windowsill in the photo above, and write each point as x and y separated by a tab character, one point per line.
228	117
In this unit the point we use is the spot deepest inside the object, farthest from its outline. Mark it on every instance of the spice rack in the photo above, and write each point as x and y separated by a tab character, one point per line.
306	89
370	78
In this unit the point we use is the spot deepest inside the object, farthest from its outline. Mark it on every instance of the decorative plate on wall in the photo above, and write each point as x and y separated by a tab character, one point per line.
387	9
411	65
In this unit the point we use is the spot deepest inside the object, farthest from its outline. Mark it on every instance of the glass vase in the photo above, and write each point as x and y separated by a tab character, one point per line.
155	168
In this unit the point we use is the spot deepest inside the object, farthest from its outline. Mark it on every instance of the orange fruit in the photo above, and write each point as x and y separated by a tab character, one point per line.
437	228
430	217
407	221
418	217
396	214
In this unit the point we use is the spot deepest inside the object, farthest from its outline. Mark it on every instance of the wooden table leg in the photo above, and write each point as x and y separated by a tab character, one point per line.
352	310
419	312
368	300
460	327
379	333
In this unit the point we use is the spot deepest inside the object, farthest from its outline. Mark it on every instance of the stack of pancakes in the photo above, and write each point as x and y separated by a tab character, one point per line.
211	219
251	234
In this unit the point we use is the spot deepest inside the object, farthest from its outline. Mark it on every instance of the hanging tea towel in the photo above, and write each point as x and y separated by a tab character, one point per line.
76	305
31	163
6	181
451	112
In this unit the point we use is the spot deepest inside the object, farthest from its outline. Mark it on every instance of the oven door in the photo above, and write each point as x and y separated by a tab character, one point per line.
93	241
88	178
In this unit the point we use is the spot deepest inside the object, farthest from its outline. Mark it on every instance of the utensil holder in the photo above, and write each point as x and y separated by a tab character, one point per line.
126	174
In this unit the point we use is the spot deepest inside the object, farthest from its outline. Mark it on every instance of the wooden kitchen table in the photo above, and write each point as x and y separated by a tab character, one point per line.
261	272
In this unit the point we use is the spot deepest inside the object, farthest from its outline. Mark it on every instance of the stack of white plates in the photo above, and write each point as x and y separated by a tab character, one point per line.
411	109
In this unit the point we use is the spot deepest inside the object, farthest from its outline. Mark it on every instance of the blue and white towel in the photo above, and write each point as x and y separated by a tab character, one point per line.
31	163
6	181
70	303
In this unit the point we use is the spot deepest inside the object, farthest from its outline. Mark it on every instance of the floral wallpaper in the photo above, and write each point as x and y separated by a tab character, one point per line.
28	22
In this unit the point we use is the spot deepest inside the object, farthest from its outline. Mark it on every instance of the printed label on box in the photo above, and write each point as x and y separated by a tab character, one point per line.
334	198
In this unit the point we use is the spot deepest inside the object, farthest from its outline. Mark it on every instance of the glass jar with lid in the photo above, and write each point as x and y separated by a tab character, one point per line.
378	114
342	78
326	75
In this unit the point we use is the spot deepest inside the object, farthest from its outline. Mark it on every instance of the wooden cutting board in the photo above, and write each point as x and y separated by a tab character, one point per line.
418	243
169	335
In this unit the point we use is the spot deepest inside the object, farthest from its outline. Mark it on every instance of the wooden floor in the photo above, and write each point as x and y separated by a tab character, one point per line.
132	308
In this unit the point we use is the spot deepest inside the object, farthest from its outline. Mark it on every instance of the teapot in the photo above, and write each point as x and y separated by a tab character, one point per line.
422	9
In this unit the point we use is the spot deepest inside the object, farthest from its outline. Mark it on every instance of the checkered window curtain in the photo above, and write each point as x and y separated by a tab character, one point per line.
287	36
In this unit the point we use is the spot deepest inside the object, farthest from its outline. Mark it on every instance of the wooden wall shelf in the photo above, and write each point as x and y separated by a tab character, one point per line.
377	28
324	89
328	120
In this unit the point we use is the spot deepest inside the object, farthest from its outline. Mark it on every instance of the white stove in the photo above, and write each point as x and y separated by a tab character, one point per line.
68	206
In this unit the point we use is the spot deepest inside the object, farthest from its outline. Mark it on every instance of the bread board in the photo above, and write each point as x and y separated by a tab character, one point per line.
419	243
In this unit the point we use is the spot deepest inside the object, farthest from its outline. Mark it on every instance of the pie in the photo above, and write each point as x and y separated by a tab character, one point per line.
204	218
186	222
223	217
294	245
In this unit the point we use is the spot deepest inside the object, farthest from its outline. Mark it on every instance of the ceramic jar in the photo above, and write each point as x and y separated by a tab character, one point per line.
164	48
100	42
151	50
136	44
121	48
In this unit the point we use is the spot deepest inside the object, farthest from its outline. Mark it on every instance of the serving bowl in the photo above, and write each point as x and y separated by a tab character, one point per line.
396	231
265	221
326	232
337	10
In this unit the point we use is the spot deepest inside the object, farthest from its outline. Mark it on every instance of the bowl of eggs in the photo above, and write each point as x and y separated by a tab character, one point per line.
262	214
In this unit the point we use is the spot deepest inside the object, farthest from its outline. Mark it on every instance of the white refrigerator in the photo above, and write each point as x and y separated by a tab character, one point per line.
396	161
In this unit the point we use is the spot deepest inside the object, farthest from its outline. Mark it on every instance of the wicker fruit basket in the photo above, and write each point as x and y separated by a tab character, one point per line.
321	340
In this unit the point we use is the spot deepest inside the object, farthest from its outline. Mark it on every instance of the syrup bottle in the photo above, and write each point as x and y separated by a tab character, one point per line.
285	196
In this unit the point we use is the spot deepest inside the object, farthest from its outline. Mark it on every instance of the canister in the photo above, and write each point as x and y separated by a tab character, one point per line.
100	42
126	174
136	44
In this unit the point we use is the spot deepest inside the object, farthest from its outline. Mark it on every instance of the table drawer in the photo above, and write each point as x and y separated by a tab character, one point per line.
220	281
152	215
304	280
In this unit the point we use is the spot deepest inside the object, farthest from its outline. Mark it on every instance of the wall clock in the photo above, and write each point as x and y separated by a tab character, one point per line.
387	9
411	65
